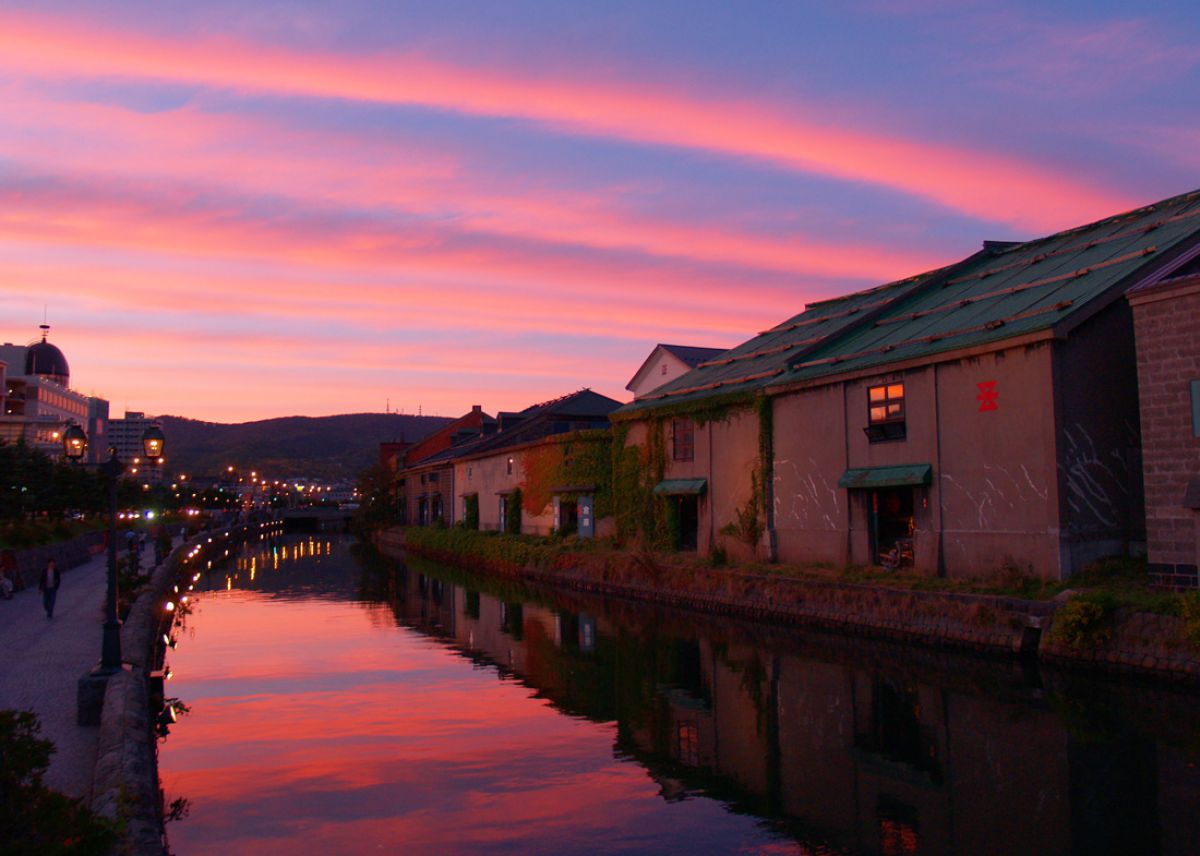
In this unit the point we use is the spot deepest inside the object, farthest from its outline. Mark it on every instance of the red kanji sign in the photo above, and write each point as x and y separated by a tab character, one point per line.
987	396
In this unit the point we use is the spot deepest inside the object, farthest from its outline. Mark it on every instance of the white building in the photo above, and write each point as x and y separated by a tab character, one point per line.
37	402
665	363
125	435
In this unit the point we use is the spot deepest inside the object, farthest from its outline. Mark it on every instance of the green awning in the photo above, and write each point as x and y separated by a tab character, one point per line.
678	487
573	488
869	478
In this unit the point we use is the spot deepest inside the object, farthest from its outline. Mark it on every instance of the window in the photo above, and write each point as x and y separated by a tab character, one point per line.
510	466
683	440
433	478
664	368
1196	408
885	412
689	744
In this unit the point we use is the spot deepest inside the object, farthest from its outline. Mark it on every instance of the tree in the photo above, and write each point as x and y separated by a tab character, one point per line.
35	819
377	498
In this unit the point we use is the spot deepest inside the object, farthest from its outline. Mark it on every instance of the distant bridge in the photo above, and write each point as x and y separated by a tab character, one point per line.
316	520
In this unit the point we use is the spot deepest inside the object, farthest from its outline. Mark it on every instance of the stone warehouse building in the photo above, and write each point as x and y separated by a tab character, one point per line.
975	416
475	470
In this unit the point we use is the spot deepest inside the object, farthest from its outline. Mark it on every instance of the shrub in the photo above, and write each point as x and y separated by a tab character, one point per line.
1085	621
35	819
1189	611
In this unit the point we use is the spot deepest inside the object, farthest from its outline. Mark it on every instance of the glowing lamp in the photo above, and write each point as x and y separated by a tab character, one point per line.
74	442
153	441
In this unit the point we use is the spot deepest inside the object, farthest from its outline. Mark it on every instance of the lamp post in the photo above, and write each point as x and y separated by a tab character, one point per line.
74	447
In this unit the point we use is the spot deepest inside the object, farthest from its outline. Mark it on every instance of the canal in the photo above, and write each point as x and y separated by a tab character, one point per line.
342	702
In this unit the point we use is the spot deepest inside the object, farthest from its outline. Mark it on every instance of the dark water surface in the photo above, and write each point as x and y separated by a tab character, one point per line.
346	703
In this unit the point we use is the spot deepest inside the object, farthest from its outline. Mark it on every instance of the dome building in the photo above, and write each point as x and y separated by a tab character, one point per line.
46	361
37	402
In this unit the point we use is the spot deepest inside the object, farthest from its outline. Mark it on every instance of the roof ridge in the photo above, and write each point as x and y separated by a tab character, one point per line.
1111	218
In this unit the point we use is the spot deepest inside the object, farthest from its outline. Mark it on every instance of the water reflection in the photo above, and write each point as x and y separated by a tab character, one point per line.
396	731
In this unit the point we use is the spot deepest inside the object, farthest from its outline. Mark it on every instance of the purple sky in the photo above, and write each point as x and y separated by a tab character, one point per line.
235	211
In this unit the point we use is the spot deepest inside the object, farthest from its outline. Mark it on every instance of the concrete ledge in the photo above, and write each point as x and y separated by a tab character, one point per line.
125	782
125	788
125	785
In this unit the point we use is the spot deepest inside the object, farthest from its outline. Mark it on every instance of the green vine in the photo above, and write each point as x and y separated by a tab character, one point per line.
577	458
714	408
638	512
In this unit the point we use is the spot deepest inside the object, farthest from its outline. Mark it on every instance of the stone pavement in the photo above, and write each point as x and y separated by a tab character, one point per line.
41	660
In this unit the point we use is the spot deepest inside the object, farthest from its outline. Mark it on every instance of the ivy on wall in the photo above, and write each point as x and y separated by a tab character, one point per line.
637	469
715	408
578	458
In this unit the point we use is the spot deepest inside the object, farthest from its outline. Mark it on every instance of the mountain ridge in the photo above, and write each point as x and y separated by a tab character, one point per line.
322	447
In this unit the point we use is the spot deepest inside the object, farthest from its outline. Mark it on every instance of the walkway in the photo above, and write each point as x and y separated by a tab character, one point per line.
41	660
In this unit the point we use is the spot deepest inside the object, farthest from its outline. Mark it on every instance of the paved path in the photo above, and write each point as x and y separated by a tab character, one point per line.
41	660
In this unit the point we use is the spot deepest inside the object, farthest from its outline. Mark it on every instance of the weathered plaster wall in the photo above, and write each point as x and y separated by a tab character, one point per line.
445	485
488	476
993	498
812	514
726	454
999	500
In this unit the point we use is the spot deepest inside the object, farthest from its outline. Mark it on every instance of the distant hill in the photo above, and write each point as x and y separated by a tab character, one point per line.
324	447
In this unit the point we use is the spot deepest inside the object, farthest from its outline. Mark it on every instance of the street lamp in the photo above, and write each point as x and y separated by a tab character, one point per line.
74	448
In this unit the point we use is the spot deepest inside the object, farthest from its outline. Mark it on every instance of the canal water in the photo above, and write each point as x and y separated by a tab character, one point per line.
342	702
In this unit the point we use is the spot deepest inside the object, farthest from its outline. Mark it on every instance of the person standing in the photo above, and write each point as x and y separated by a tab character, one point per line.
48	585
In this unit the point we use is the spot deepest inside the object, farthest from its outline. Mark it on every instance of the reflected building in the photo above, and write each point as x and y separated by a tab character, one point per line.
842	755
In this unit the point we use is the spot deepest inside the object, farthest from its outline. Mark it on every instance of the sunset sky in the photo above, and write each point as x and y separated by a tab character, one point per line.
234	211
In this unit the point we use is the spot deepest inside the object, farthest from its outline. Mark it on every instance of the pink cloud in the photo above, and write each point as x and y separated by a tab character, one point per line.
264	157
982	184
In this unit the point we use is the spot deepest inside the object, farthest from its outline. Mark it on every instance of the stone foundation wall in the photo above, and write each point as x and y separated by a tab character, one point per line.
1141	642
978	622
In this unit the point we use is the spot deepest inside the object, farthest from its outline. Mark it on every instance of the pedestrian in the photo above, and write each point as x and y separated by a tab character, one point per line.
48	586
6	586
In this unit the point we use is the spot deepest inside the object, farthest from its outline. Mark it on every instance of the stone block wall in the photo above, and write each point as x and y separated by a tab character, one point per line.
1166	321
28	563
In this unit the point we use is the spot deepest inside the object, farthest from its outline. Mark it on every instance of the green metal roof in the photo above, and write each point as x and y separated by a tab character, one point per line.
1013	290
677	487
869	478
766	357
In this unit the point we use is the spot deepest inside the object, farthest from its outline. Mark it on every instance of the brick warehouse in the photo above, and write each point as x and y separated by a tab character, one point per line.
1166	321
